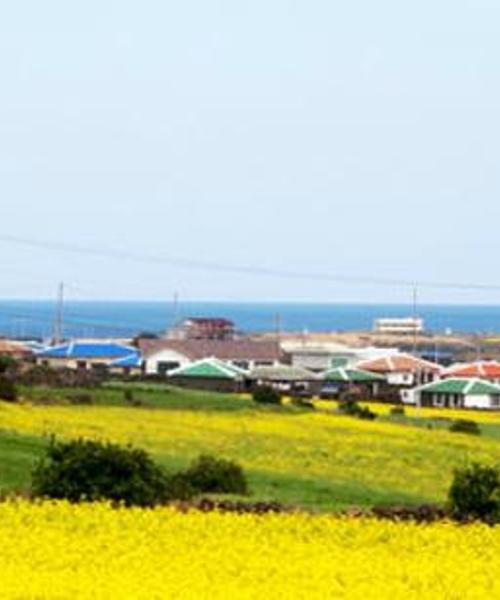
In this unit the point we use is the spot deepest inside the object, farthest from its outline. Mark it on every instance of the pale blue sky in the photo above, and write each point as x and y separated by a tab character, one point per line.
354	137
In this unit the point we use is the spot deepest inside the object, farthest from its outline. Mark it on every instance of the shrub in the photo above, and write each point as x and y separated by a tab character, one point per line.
302	403
365	413
475	493
465	426
80	398
8	391
266	394
349	407
211	475
89	470
129	398
7	363
397	411
353	409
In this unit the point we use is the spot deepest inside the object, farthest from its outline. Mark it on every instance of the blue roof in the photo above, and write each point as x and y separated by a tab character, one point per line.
130	361
78	350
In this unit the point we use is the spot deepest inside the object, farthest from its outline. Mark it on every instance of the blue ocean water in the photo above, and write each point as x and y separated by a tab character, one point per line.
113	319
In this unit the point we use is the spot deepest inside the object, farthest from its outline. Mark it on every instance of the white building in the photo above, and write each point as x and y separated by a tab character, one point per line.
405	325
455	392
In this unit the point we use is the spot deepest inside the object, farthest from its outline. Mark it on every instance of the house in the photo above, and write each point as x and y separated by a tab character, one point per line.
205	328
285	378
322	356
402	370
127	365
162	356
337	380
97	354
455	392
486	369
15	349
209	374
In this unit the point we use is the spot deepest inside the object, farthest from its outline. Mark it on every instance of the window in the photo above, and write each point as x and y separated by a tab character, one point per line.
242	364
164	367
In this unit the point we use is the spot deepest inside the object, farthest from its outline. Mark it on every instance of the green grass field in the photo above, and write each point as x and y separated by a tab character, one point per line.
317	459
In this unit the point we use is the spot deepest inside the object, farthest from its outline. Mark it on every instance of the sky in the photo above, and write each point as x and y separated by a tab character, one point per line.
358	138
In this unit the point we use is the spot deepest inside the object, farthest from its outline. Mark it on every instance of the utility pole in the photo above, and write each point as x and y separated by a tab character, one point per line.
174	321
415	317
277	327
59	316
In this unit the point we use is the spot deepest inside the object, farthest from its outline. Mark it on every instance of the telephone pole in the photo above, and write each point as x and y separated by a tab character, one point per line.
59	316
415	317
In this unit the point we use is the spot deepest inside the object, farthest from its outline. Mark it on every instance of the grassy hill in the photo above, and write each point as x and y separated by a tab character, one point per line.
317	459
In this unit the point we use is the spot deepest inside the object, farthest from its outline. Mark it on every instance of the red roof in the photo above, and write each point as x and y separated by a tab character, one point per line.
481	369
399	363
15	349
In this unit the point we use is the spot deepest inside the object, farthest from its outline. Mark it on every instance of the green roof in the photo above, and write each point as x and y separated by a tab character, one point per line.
210	369
335	363
466	386
351	375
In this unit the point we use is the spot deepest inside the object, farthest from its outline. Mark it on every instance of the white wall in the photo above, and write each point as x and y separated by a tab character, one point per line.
166	355
478	402
400	379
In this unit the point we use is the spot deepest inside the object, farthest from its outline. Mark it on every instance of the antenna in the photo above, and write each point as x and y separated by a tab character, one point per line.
59	316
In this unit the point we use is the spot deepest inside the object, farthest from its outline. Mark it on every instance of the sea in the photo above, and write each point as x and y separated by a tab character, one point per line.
106	319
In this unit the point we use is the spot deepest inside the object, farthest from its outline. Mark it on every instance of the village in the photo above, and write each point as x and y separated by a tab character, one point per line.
210	354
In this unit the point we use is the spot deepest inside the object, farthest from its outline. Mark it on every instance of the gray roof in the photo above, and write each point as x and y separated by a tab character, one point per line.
282	373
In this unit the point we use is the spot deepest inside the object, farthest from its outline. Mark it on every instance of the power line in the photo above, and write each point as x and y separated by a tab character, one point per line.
239	269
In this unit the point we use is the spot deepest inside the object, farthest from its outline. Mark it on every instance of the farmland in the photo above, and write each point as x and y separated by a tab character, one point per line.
315	461
318	460
93	551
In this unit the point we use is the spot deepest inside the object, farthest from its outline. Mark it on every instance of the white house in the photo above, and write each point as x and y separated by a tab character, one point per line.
403	370
455	392
162	356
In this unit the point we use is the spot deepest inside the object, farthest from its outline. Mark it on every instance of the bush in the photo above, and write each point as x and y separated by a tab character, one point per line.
397	411
7	363
266	394
129	398
302	403
80	398
365	413
475	493
353	409
465	426
89	470
211	475
8	391
349	407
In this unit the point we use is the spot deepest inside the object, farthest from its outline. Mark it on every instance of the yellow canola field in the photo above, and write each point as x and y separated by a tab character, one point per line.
58	550
366	458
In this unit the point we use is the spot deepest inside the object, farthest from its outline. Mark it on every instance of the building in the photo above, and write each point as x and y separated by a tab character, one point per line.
405	325
84	354
486	369
455	392
15	349
285	378
162	356
320	357
209	374
336	381
403	370
127	365
203	328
